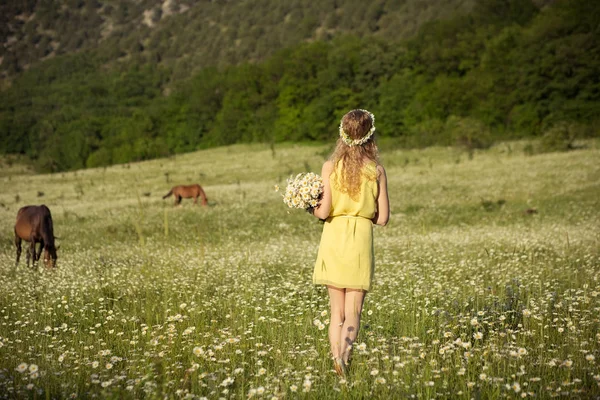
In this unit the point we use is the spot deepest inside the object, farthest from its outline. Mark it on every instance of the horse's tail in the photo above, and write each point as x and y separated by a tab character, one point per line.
168	194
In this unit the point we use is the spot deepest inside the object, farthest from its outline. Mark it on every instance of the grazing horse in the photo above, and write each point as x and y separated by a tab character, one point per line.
34	225
186	192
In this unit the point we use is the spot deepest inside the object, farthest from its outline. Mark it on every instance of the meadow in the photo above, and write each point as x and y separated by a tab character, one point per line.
487	280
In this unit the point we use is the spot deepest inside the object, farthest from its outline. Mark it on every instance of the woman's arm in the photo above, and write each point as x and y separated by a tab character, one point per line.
383	202
324	207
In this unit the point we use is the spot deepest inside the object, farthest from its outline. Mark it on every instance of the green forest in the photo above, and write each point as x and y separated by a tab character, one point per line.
504	69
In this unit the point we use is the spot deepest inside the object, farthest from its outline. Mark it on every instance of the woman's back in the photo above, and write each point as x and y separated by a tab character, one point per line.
365	202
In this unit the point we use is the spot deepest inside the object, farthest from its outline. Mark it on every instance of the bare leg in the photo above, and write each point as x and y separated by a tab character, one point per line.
18	244
352	310
336	300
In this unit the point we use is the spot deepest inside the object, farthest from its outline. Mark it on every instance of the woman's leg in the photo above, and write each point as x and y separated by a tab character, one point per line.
352	309
336	300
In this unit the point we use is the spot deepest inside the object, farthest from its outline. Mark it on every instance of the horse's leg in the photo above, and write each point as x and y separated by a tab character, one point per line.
18	244
39	253
195	200
29	251
178	200
33	253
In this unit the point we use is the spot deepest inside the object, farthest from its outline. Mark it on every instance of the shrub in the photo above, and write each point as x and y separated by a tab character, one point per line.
468	133
561	136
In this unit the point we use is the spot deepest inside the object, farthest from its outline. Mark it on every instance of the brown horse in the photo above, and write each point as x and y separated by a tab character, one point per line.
186	192
34	225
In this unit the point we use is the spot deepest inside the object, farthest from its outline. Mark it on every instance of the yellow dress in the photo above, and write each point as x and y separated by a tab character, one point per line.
346	258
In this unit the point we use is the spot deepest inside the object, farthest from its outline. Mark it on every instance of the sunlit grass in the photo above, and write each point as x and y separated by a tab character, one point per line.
487	281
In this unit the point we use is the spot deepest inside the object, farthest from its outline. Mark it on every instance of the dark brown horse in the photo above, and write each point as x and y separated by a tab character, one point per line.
34	225
186	192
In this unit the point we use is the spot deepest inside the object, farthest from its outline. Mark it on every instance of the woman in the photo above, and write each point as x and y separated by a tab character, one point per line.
354	198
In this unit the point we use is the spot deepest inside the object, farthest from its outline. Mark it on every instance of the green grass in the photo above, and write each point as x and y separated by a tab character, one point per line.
474	297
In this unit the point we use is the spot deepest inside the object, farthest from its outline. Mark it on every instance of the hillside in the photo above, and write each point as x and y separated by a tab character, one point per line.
187	35
501	69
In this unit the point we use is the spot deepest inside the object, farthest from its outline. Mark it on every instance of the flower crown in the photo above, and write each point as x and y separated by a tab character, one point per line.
358	142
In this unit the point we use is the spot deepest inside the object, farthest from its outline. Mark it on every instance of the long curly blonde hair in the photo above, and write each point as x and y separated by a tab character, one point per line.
355	124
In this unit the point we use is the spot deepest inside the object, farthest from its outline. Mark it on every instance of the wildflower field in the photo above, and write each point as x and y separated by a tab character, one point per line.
487	281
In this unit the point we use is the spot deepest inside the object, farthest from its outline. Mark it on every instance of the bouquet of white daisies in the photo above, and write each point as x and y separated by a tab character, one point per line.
304	191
